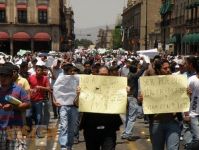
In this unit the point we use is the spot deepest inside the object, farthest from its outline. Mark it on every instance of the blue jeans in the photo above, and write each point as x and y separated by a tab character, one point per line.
195	128
68	120
162	133
46	113
186	133
37	110
131	116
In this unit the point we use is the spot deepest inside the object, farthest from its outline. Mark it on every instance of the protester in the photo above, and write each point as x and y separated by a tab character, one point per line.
39	84
194	109
56	71
68	109
100	129
125	69
132	108
164	129
11	117
23	72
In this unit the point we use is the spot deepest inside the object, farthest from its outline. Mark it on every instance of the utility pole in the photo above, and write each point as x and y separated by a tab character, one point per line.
146	27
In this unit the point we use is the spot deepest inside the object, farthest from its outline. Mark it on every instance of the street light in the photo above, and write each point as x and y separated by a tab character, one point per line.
146	27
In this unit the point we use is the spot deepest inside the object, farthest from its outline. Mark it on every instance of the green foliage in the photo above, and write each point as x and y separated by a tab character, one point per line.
117	38
83	42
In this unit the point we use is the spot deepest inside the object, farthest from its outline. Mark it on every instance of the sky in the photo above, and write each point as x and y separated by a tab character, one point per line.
92	13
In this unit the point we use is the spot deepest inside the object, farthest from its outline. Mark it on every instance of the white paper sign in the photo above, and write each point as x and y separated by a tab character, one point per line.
64	89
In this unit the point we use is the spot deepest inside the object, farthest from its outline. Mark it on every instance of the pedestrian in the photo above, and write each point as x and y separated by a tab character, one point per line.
11	117
39	85
164	129
65	96
132	107
56	70
100	129
194	109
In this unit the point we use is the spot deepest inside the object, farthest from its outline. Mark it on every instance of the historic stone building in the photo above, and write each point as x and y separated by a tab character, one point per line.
105	38
31	25
141	24
180	25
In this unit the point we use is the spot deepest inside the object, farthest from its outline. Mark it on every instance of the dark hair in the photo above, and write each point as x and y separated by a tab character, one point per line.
11	66
23	64
158	65
172	66
87	71
67	67
191	60
87	62
133	69
37	66
34	60
96	66
196	66
113	69
6	71
156	57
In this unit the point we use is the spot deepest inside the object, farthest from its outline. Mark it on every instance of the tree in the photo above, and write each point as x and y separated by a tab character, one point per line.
83	42
117	37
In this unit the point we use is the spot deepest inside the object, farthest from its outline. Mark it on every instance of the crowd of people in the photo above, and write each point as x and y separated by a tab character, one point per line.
33	80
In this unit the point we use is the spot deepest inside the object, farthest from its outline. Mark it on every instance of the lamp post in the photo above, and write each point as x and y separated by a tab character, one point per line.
146	27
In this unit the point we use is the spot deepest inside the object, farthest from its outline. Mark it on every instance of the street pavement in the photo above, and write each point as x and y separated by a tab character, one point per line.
50	142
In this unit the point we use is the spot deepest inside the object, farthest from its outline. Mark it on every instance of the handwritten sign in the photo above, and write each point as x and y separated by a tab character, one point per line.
103	94
164	94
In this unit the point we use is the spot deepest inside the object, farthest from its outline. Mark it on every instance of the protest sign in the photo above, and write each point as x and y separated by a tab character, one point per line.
103	94
64	89
50	61
164	94
151	53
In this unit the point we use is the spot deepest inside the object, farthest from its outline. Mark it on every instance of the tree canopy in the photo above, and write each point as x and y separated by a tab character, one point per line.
83	42
117	38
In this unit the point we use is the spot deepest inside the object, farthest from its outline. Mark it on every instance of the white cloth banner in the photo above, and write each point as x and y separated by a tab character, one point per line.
64	89
150	53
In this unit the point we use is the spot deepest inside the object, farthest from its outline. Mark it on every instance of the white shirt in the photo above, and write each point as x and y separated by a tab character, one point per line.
194	86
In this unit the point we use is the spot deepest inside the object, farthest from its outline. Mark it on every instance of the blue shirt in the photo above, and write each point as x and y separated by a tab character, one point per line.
13	117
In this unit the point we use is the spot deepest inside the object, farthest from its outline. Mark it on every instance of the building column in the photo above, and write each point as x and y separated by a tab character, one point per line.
11	47
32	45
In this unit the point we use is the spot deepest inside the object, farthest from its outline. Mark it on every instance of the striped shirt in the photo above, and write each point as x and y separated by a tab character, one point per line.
13	117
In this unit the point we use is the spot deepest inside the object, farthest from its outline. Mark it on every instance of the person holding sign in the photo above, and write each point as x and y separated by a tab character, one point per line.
100	129
64	91
164	128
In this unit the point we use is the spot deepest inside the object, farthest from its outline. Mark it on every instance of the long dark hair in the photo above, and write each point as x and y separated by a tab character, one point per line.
158	65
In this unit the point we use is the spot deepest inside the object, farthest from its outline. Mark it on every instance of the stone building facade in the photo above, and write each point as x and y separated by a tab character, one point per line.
31	25
140	24
105	38
180	25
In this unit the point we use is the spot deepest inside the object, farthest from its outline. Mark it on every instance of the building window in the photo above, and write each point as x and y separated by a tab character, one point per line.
43	16
22	16
42	2
2	16
2	1
21	1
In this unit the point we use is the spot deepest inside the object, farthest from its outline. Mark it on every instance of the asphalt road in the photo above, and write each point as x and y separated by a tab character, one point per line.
50	142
